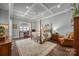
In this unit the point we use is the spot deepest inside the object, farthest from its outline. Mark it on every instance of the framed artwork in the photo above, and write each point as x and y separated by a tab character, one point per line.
14	26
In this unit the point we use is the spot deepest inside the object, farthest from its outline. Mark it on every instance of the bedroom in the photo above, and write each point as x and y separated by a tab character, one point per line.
43	18
41	29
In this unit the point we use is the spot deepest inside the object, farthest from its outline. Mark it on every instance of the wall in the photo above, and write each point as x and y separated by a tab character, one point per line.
34	24
16	31
60	23
4	18
63	22
18	22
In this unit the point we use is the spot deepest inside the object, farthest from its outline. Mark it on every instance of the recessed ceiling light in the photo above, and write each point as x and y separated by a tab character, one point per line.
27	7
58	6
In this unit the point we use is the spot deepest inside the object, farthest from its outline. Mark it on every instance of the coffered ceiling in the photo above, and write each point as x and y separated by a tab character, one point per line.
37	11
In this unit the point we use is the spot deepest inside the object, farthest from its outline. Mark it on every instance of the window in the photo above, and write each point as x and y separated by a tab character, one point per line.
23	28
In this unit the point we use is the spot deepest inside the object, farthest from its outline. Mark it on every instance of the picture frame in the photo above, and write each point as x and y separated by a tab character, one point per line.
14	26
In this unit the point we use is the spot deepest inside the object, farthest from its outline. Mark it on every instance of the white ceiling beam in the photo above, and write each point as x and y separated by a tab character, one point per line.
66	10
46	11
19	13
46	8
29	9
39	15
15	10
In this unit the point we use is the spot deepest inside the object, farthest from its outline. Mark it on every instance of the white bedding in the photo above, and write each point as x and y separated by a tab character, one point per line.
36	35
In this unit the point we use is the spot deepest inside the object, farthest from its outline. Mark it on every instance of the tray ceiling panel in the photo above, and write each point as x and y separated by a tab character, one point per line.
46	14
22	6
61	7
37	9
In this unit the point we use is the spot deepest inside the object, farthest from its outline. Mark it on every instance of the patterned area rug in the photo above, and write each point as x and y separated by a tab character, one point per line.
29	47
62	51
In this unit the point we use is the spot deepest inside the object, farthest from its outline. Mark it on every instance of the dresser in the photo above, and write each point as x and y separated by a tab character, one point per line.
5	47
55	37
76	35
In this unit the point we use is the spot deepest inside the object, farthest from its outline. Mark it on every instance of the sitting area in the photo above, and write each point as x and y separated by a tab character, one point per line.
64	41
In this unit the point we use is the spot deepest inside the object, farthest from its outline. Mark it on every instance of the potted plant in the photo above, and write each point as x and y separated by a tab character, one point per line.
75	10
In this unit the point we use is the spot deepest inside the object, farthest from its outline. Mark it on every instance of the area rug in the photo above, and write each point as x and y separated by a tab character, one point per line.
28	47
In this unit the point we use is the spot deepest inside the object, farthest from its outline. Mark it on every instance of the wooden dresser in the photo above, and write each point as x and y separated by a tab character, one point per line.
5	47
55	37
76	35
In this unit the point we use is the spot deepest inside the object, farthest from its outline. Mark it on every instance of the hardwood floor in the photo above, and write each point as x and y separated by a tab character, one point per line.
57	51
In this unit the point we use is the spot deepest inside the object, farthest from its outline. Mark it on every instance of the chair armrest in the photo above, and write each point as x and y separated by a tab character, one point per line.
67	39
68	42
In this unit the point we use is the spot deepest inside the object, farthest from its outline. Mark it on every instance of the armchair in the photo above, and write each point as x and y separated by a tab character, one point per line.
67	41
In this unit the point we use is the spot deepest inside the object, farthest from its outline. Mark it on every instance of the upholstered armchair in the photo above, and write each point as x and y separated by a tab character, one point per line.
67	41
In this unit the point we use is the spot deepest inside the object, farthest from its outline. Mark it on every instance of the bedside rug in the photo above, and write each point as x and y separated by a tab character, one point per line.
28	47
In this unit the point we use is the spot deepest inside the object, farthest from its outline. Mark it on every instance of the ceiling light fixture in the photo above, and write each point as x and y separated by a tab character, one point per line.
58	6
27	7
